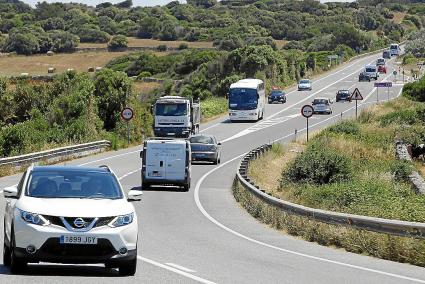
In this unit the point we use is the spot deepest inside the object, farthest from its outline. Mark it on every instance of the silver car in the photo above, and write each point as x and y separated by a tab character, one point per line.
304	84
205	148
322	105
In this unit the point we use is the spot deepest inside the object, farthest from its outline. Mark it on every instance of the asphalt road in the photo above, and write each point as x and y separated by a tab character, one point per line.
204	236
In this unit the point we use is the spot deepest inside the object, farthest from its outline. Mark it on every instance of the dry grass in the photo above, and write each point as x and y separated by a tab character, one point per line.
280	43
138	42
266	171
145	87
398	17
38	64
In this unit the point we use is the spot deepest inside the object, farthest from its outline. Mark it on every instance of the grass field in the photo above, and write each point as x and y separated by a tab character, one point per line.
139	42
398	17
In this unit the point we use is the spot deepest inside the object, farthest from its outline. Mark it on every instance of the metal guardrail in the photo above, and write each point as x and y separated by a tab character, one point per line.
54	153
380	225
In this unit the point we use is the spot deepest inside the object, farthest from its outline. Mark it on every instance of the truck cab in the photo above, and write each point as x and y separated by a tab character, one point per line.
166	161
176	117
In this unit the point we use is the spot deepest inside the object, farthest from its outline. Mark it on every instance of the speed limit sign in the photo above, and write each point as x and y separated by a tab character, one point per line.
127	114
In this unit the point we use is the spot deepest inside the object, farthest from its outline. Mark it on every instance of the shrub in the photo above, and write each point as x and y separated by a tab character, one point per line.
162	47
319	165
345	127
405	116
144	74
117	42
183	46
401	170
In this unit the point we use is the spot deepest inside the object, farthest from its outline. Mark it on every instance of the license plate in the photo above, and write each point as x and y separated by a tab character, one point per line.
72	239
156	174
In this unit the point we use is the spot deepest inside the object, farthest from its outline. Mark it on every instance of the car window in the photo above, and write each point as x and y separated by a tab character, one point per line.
320	101
277	93
21	183
201	139
73	184
304	81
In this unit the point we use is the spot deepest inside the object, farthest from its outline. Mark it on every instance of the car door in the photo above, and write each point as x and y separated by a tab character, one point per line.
10	208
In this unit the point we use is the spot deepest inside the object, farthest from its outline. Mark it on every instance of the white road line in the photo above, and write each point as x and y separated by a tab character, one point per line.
110	157
183	273
180	267
214	221
129	173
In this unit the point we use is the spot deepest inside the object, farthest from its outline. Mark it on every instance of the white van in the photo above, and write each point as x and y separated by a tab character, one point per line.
394	49
166	161
371	71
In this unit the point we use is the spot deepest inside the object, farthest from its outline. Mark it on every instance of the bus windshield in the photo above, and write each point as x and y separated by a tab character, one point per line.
170	109
243	99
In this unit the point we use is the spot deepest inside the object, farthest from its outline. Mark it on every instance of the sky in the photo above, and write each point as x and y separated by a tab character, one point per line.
135	2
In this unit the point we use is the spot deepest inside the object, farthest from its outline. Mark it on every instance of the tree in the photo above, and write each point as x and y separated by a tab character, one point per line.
88	34
168	31
125	4
63	41
26	43
112	91
202	3
118	42
148	27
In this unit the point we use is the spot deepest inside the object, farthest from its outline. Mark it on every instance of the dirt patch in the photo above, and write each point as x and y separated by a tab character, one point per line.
398	17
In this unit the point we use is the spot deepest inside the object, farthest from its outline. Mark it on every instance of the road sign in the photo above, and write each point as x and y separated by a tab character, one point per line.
307	111
356	95
383	84
127	114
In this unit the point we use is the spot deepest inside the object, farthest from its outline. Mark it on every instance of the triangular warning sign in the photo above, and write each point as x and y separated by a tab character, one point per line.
356	95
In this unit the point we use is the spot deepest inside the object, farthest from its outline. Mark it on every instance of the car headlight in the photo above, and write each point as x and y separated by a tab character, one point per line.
34	218
122	220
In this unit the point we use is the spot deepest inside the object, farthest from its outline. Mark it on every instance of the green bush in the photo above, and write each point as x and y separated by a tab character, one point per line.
162	47
405	116
118	42
213	106
183	46
319	165
401	170
345	127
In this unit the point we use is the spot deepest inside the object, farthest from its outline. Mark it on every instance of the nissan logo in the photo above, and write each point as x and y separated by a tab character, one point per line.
79	223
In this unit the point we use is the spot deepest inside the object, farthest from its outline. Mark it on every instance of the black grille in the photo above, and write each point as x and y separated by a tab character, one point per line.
71	220
103	221
54	220
53	247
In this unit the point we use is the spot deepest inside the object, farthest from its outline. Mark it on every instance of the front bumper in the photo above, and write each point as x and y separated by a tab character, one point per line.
279	100
303	88
322	110
171	131
45	240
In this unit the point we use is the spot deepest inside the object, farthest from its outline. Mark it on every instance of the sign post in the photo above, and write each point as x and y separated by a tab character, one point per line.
384	85
307	111
395	75
357	97
127	114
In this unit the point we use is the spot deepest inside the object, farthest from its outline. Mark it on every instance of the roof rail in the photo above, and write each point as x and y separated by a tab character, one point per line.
105	167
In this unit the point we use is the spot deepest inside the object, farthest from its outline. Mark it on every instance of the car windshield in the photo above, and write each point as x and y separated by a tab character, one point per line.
201	139
276	93
304	82
370	69
171	109
393	46
320	102
243	99
73	184
343	92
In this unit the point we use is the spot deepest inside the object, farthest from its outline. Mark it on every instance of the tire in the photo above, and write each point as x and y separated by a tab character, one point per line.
145	186
186	187
6	252
128	268
17	265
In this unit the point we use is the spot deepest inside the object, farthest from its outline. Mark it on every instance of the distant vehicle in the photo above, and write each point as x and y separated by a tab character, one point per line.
205	148
304	84
176	117
278	96
394	49
247	100
70	215
363	76
166	161
371	71
343	95
380	63
386	54
322	105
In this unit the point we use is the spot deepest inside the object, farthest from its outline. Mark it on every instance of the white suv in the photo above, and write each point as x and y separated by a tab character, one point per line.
70	215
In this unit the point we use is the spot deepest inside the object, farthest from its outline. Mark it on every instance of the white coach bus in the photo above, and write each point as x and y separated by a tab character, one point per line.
247	100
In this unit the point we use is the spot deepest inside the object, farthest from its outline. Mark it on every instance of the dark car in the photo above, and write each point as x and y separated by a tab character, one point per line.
277	96
343	95
364	77
205	148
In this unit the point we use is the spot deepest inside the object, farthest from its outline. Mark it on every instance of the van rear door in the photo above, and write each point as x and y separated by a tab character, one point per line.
176	161
155	161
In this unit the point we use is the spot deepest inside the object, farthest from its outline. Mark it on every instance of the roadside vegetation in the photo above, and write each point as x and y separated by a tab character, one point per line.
350	167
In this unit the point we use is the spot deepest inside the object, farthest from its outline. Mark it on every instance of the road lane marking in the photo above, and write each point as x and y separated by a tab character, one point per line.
172	269
108	158
214	221
180	267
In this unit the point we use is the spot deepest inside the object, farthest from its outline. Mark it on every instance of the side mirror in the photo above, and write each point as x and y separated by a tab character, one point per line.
141	154
11	192
219	143
151	108
134	195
